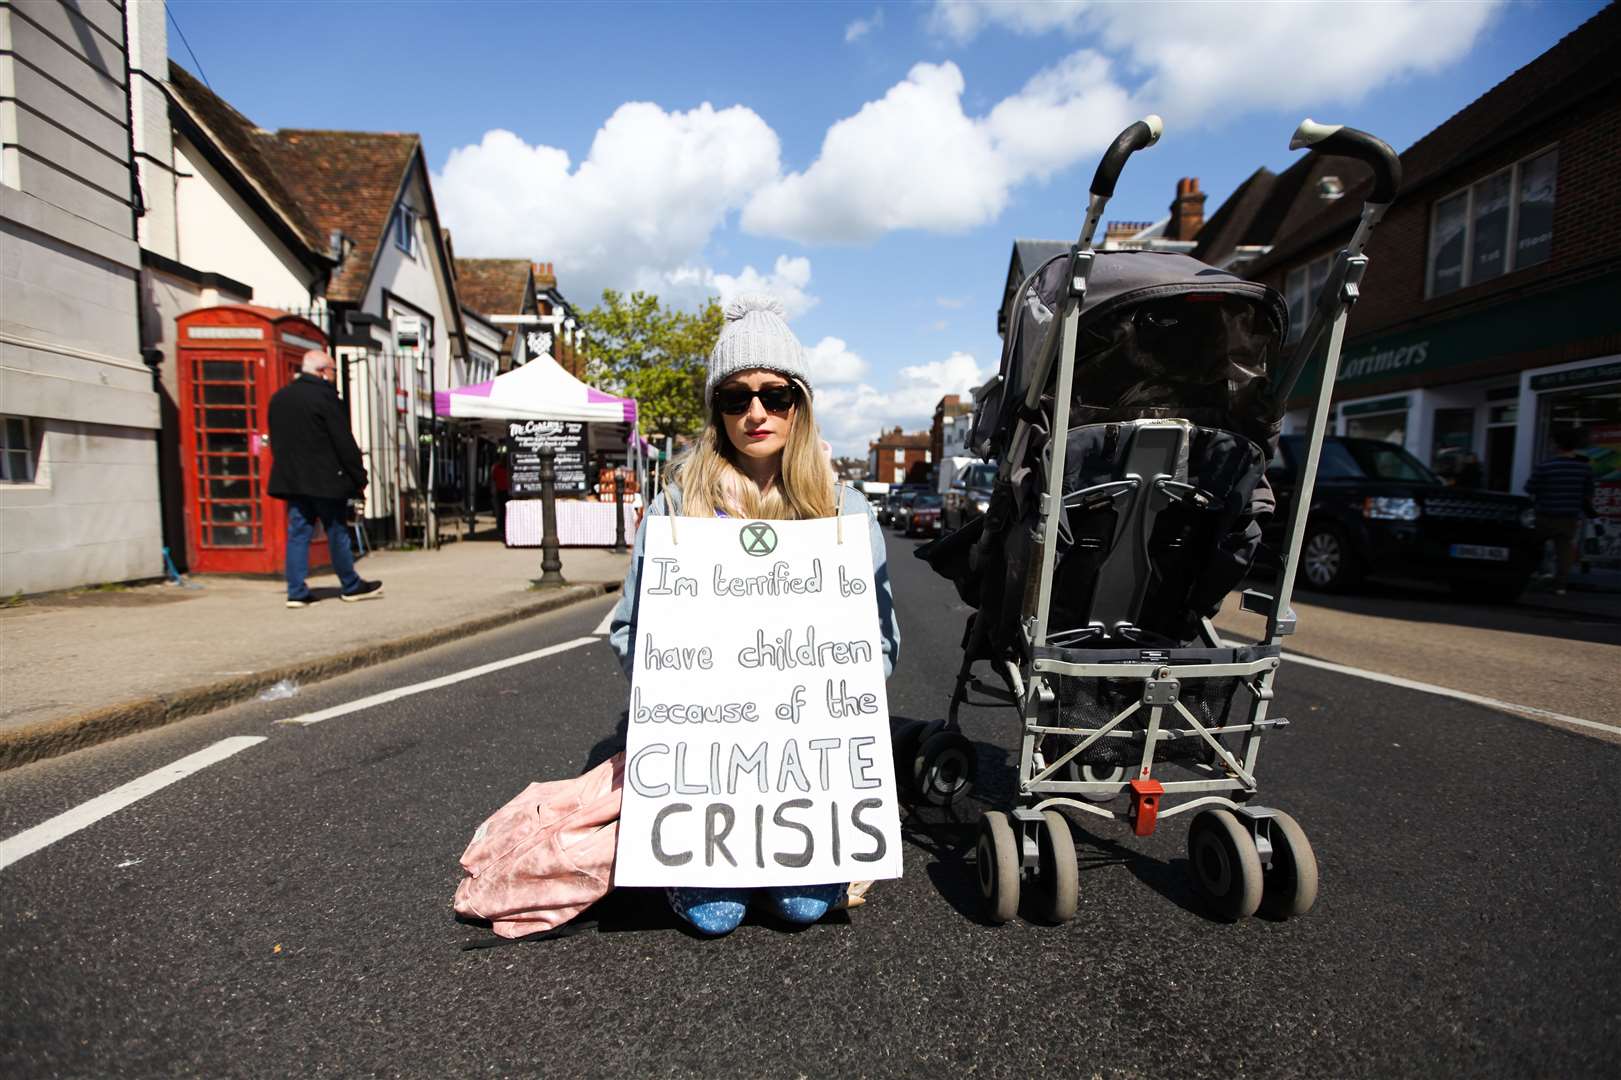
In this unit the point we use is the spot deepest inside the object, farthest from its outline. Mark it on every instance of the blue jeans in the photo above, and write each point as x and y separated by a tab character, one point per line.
303	515
718	911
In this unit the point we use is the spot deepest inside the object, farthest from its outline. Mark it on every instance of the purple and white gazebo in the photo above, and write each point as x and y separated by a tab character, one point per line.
539	390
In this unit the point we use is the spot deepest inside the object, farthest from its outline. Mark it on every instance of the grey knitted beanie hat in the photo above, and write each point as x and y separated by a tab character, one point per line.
756	335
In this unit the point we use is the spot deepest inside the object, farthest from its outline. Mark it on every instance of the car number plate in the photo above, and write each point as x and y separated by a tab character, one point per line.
1476	551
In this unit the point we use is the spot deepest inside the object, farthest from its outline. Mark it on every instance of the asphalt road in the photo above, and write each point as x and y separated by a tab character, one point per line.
286	911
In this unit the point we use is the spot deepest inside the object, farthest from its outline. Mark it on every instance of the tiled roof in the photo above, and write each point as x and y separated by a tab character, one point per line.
492	286
346	180
245	143
1232	224
1582	62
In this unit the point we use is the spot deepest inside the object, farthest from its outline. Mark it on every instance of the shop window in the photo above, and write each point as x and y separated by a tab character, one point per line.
17	450
1499	224
1452	447
1300	289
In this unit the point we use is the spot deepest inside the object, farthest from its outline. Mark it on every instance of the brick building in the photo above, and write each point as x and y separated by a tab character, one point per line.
898	457
1491	312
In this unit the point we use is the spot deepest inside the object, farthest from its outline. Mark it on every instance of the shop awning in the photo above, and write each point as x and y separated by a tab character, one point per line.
539	390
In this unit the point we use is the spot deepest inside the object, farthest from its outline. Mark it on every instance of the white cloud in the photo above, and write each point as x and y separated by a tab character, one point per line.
832	363
860	28
1211	58
851	416
915	160
951	302
645	201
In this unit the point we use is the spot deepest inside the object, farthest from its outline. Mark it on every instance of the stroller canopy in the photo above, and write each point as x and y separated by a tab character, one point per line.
1161	334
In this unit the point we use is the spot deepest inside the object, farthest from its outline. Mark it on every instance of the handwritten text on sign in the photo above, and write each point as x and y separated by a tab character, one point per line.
758	750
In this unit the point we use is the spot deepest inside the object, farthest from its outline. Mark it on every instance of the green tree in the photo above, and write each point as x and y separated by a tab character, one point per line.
642	349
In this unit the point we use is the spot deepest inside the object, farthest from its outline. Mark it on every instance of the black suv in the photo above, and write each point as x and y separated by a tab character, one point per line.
969	497
1376	510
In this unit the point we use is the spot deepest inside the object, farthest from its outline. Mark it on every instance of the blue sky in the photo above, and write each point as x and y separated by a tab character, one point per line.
870	163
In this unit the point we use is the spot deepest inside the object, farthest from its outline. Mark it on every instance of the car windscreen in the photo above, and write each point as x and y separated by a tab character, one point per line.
1387	461
981	476
924	501
1363	459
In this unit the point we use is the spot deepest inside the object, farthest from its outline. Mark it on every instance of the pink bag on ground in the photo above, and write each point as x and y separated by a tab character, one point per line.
545	856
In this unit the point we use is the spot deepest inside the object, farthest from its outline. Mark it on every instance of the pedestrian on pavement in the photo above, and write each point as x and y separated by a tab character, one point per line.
759	457
317	470
501	487
1562	486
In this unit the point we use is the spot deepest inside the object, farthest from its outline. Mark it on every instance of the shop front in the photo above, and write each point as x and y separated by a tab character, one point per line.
1467	396
1584	395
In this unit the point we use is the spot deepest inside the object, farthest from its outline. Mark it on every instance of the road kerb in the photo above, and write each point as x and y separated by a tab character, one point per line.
66	734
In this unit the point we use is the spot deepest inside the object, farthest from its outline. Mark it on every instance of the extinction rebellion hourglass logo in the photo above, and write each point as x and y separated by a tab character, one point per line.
758	538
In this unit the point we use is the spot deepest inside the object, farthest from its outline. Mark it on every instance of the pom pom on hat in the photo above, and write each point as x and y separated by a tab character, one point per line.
756	335
742	305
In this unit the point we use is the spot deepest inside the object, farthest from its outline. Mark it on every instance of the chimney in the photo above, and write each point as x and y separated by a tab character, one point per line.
545	278
1187	210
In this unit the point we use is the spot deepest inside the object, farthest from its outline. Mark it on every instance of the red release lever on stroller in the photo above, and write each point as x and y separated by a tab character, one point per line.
1342	141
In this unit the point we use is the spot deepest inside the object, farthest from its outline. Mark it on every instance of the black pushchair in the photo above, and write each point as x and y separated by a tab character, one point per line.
1139	400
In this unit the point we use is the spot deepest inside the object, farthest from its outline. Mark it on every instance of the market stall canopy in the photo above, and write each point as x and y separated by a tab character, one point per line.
539	390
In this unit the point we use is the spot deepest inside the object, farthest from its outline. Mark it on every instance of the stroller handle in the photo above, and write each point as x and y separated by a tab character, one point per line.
1139	136
1342	141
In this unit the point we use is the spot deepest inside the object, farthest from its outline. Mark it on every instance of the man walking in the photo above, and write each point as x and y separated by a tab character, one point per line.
1563	489
317	470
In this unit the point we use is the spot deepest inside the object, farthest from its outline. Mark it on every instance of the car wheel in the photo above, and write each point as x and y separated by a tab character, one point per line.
1327	562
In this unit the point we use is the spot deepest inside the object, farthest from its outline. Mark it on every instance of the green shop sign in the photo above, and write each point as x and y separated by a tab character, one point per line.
1368	408
1559	380
1584	310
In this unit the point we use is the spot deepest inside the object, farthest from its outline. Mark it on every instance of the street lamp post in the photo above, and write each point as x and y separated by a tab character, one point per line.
551	565
619	511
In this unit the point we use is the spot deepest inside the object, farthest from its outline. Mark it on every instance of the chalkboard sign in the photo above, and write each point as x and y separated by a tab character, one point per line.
526	438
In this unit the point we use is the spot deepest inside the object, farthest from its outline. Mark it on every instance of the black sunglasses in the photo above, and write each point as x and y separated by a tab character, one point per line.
735	401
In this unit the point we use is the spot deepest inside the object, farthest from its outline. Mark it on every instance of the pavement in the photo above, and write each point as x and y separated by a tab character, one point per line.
94	664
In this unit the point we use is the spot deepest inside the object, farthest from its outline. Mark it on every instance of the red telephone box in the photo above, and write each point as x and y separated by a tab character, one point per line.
232	359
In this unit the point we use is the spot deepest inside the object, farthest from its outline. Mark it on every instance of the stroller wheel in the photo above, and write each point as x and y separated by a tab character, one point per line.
1290	887
1057	881
1225	864
1086	772
903	744
943	770
996	859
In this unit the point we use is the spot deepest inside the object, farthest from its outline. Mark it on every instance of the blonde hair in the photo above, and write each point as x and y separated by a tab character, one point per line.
711	481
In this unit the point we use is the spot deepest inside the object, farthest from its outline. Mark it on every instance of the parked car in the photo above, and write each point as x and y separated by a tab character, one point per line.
1378	511
968	497
900	506
924	518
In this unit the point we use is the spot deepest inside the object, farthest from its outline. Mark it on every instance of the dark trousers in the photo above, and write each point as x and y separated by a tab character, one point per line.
304	516
1564	532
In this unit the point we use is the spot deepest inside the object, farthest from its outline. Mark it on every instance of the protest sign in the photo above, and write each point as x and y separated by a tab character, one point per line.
758	744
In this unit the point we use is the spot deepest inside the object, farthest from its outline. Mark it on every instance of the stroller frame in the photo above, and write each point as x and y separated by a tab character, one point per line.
1240	854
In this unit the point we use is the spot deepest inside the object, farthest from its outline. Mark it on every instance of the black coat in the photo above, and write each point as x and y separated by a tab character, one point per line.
314	454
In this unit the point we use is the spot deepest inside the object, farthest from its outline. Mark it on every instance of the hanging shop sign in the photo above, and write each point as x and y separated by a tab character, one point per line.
757	751
525	440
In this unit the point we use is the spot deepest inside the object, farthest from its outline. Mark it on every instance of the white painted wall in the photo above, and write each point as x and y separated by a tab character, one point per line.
218	233
70	358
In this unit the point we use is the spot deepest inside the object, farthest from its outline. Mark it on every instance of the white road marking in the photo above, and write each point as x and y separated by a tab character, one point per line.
603	627
433	684
1443	691
87	814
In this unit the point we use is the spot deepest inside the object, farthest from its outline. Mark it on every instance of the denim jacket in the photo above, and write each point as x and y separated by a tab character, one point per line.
622	628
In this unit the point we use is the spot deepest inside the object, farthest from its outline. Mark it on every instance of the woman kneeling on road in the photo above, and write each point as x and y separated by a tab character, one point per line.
759	457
